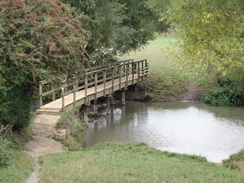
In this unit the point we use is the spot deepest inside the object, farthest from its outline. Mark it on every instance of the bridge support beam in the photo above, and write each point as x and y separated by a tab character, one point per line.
112	100
108	102
86	111
123	97
95	107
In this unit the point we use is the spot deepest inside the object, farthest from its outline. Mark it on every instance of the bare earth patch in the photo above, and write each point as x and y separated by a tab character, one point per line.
192	93
42	142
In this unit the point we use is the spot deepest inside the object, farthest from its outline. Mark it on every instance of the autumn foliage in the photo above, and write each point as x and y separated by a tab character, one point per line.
38	39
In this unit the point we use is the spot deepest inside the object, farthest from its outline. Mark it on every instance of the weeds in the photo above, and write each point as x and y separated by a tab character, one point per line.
5	143
74	128
234	160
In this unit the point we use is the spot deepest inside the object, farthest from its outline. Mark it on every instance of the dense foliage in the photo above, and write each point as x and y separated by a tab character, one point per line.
117	26
212	34
37	39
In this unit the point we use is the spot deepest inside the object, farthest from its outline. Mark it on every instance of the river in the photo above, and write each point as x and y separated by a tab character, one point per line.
186	128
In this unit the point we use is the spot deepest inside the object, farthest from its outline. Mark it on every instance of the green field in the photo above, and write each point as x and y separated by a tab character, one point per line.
166	81
156	53
131	162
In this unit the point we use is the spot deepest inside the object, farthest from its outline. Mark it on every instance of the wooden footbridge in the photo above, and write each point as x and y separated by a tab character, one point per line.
96	82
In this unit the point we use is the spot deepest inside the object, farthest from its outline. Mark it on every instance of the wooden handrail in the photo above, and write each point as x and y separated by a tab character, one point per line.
93	77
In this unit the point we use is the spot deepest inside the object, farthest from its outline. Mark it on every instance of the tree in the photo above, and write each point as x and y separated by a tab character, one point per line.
116	26
38	39
212	33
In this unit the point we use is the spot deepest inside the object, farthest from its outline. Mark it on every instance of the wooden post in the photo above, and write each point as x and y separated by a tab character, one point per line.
86	118
113	80
108	104
147	67
104	82
142	70
127	68
133	72
112	99
120	77
95	107
53	92
123	98
138	71
96	86
62	88
40	94
74	92
86	87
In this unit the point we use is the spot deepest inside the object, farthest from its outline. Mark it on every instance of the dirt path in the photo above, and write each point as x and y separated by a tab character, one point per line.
192	93
42	142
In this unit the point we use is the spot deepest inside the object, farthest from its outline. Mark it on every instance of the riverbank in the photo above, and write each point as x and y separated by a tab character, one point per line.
116	162
131	162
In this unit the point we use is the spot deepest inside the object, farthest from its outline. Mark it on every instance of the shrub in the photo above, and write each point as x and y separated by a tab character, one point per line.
224	96
15	107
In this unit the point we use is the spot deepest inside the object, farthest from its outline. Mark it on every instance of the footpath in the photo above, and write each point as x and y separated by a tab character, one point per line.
42	142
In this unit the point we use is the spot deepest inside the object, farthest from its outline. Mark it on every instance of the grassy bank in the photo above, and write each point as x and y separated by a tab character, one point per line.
74	127
15	165
19	169
165	82
131	162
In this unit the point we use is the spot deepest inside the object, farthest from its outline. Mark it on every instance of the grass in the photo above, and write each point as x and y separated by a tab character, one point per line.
166	81
18	170
156	54
71	122
236	161
131	162
15	166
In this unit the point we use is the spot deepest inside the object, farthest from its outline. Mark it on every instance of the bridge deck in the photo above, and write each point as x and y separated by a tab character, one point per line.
111	86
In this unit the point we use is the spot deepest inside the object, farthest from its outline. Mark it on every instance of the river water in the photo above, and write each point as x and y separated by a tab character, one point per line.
186	128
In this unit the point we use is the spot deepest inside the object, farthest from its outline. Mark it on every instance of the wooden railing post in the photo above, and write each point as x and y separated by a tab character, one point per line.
133	72
127	69
138	71
113	80
120	77
104	82
142	69
95	85
86	87
74	91
53	92
40	94
147	68
62	88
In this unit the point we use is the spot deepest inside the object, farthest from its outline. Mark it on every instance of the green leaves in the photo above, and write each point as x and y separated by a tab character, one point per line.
212	34
39	38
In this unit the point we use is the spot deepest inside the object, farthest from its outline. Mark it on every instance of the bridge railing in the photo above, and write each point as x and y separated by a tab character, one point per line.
94	77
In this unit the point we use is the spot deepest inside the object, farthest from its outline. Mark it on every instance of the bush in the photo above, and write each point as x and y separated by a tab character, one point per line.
15	107
225	96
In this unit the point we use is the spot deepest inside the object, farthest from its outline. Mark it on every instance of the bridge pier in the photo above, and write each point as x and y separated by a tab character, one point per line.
86	113
95	108
123	97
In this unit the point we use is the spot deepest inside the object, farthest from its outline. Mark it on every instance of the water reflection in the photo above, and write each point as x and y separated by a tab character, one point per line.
183	128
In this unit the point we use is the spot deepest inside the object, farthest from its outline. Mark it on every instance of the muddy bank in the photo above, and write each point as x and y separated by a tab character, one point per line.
190	92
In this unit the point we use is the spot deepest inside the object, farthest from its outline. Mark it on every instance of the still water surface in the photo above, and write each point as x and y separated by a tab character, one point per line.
187	128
